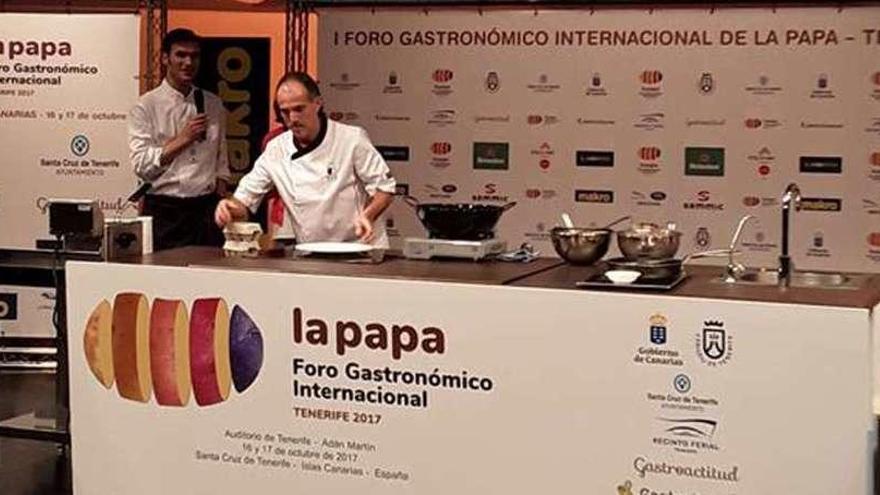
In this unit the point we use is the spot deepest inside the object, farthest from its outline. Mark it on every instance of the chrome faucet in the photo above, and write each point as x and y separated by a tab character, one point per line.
734	269
791	197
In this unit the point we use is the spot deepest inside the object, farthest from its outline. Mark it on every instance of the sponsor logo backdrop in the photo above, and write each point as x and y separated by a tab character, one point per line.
67	83
684	115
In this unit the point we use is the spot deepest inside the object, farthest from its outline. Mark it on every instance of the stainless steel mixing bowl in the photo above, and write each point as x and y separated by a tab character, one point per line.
648	241
580	246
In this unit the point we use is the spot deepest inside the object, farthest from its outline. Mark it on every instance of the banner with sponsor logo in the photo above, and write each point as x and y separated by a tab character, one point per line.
237	70
695	116
199	381
67	83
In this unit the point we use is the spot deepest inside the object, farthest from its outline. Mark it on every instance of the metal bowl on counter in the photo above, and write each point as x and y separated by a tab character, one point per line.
648	241
580	246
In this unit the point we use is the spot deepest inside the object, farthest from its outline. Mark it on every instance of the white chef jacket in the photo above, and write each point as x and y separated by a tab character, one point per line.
159	115
324	186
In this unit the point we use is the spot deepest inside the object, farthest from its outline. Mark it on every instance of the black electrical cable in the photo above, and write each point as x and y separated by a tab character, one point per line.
56	267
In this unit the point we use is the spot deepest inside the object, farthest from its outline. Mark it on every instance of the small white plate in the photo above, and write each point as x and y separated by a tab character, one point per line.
623	276
333	247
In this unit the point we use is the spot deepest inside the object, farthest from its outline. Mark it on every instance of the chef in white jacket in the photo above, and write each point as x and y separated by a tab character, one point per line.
333	182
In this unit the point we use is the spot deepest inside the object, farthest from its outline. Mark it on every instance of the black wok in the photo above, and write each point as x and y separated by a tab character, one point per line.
458	221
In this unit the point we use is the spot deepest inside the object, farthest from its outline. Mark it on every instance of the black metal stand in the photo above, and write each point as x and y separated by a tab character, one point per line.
44	269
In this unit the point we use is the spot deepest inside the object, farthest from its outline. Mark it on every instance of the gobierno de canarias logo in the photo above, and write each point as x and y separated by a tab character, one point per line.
164	351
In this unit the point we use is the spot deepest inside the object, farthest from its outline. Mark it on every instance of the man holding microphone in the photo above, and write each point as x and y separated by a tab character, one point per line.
177	146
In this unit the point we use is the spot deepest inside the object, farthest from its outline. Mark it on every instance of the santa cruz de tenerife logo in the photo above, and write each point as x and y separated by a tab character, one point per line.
714	345
79	145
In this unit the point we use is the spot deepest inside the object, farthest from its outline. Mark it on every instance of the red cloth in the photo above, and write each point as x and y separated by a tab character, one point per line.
275	208
273	132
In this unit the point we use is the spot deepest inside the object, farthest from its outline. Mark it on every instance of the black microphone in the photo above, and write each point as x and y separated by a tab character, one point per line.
199	98
140	192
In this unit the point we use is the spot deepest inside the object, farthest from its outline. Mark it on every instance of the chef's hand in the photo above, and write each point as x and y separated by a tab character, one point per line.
228	210
363	228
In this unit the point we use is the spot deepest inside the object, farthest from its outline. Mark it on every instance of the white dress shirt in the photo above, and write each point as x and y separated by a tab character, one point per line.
323	187
159	115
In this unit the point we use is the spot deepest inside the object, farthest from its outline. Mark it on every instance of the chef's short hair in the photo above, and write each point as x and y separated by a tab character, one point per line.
303	78
179	35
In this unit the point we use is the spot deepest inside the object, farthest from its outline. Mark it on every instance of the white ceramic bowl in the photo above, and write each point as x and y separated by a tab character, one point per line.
623	276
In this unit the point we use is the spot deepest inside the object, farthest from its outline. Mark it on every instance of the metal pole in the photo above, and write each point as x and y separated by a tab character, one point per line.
296	36
156	12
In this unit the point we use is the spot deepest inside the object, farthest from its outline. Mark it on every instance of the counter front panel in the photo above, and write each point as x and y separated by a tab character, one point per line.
340	385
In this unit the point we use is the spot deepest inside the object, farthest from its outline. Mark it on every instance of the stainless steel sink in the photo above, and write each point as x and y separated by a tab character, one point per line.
820	280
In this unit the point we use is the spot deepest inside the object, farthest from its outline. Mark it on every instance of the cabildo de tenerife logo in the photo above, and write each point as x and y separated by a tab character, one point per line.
714	344
165	352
